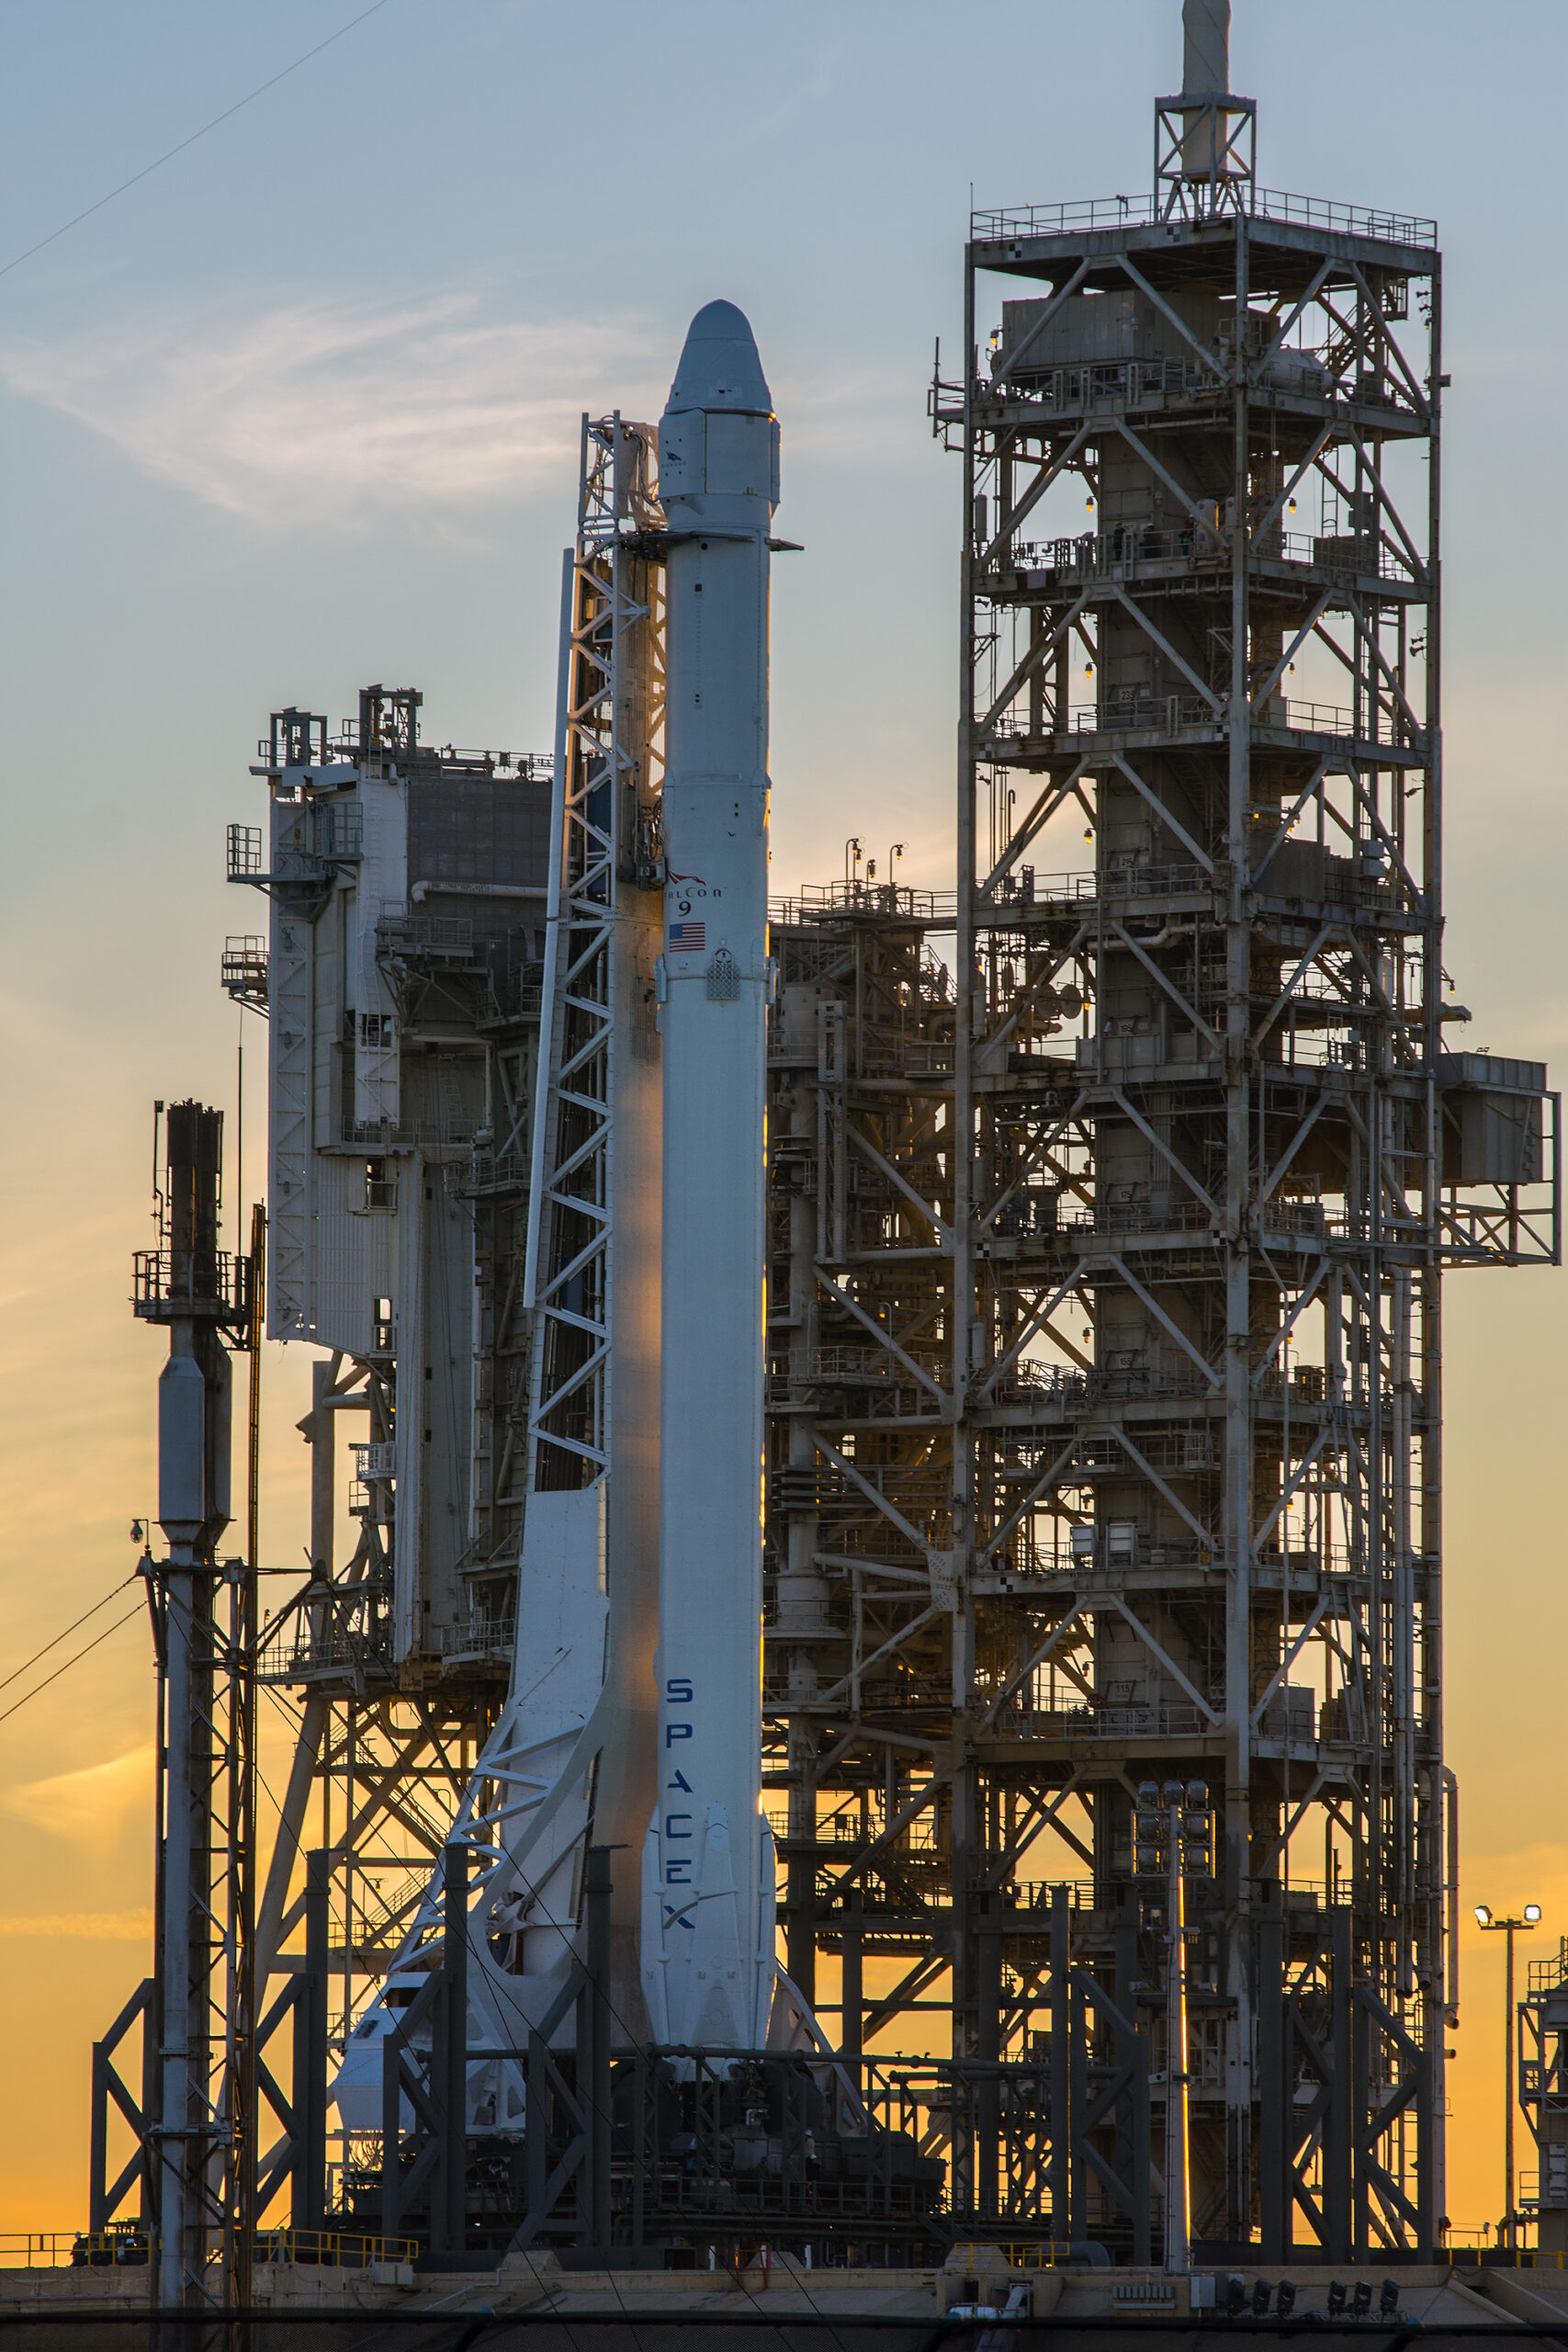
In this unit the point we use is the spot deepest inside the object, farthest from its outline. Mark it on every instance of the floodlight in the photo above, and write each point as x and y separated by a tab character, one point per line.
1484	1913
1532	1912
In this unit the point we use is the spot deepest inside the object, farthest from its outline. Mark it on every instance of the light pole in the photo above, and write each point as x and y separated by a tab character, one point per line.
1507	2232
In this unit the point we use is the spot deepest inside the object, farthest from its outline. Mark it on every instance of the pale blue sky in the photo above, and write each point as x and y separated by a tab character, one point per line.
299	411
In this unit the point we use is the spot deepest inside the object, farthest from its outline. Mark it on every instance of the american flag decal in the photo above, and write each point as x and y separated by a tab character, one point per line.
688	938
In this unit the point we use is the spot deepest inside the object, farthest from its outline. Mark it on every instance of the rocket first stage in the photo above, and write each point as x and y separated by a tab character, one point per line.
707	1934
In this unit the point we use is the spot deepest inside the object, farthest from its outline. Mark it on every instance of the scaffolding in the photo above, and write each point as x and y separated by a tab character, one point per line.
1110	1208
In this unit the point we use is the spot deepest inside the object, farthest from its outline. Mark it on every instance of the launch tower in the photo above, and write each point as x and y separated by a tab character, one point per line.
1106	1273
1108	1200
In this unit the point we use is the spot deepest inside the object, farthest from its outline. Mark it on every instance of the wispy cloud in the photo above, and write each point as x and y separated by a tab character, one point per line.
318	413
319	410
89	1926
85	1809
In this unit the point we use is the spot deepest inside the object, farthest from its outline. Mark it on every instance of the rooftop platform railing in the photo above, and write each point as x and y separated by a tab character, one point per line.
1093	555
855	897
1174	714
1005	224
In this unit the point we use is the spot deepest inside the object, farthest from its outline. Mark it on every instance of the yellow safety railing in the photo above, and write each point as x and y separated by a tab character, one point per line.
338	2249
39	2249
128	2248
1038	2255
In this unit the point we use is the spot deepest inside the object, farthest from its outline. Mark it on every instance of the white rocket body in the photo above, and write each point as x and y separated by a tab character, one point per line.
707	1929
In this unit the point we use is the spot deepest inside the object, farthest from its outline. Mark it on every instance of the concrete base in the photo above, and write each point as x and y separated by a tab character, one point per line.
303	2309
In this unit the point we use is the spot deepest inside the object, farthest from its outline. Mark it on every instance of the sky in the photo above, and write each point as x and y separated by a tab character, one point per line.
298	411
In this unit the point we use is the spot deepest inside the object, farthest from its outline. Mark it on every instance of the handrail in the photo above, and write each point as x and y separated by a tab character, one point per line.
997	226
126	2246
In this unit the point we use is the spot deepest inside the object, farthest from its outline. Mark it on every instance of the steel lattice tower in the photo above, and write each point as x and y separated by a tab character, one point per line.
1107	1368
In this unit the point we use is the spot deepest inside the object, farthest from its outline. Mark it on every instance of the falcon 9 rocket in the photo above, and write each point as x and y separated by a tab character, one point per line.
707	1935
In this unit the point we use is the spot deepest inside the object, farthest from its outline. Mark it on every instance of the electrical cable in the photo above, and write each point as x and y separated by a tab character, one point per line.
17	1672
167	157
70	1662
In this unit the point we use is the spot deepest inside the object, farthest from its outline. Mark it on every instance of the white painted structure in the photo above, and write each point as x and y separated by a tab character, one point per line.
707	1937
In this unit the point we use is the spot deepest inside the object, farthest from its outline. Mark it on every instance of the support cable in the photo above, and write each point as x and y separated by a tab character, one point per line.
17	1672
18	1704
169	154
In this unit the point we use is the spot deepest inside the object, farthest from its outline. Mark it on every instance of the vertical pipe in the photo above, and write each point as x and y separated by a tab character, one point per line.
173	2118
1061	2036
986	1931
1237	1507
1339	2121
596	2057
969	1019
1427	2235
150	2070
1510	2237
1438	2014
448	2218
1450	1847
1405	1779
1178	2150
1273	2083
310	2186
1366	2099
1131	2140
1079	2176
1142	2249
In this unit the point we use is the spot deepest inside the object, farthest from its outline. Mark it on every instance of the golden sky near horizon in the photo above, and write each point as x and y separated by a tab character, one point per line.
285	424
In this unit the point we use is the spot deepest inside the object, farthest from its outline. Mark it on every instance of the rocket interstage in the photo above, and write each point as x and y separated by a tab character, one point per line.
709	1965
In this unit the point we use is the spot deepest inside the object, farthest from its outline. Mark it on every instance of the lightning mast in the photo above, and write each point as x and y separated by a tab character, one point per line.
196	2135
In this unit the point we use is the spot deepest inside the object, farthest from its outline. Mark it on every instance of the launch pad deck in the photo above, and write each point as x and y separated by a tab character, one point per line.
530	2298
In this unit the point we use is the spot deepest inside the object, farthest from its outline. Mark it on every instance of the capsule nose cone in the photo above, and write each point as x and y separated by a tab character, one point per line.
719	368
